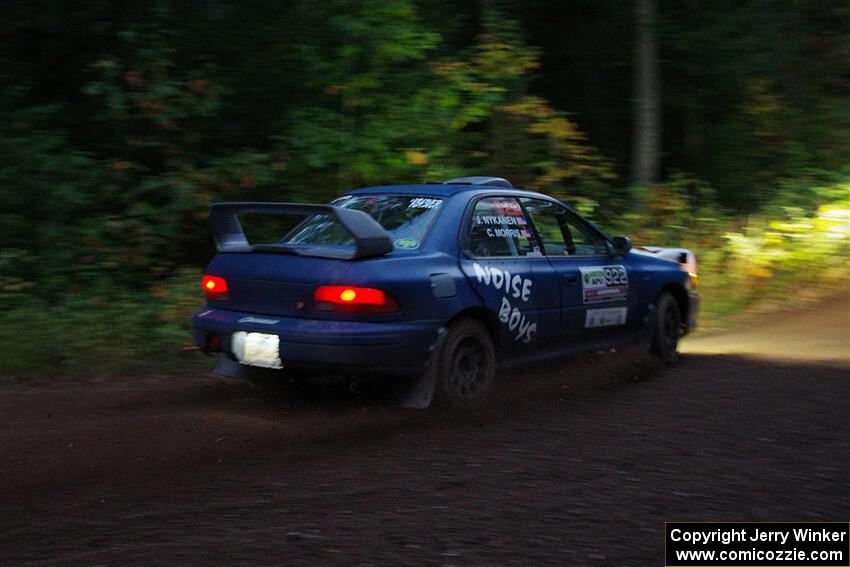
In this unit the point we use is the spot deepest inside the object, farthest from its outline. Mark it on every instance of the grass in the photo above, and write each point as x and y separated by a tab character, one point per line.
99	334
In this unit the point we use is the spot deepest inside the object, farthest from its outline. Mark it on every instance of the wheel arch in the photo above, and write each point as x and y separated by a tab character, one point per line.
680	294
484	316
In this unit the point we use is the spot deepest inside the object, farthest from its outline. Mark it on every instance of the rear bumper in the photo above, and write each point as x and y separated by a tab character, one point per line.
327	345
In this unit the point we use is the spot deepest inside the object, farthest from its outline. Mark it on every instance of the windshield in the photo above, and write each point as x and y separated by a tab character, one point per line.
406	217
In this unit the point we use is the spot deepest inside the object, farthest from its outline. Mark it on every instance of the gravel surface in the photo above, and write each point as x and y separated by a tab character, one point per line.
575	463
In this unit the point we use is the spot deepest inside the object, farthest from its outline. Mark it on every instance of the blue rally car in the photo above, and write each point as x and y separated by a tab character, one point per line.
440	282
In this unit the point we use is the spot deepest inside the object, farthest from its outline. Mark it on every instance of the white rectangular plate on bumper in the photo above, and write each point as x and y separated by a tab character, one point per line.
256	349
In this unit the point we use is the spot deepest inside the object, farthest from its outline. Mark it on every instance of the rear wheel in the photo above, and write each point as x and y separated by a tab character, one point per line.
668	328
466	365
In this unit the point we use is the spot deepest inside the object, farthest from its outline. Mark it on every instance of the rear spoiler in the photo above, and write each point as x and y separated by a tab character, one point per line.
370	238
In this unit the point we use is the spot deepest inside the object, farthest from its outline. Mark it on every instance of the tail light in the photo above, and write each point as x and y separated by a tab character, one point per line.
354	300
213	343
215	287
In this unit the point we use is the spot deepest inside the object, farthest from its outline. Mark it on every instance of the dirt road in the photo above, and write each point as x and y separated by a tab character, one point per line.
575	463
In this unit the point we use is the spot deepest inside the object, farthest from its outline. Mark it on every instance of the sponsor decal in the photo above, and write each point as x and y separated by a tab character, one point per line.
516	321
502	226
512	284
423	203
503	232
258	320
407	243
508	208
500	220
514	287
606	317
604	283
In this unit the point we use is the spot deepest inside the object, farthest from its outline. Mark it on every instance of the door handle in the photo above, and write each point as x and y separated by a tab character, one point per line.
570	279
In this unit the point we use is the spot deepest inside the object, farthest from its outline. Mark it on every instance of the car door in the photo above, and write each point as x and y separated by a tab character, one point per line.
596	289
503	262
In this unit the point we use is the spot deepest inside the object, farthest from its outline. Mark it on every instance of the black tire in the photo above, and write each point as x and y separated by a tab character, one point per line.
668	328
466	366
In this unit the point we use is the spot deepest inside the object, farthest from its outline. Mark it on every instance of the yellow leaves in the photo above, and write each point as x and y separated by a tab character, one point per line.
556	174
815	245
489	74
447	69
501	59
198	86
559	128
792	228
833	221
570	156
459	122
765	109
663	202
762	98
159	293
545	120
530	107
760	272
416	157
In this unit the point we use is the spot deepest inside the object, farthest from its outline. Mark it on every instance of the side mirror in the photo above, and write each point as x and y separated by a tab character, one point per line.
622	244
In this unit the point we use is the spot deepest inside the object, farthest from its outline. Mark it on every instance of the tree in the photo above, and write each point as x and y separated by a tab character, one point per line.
646	149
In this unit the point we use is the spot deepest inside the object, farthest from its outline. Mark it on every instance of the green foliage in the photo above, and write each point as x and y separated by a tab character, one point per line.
44	190
118	137
682	209
796	254
366	82
103	331
757	93
800	251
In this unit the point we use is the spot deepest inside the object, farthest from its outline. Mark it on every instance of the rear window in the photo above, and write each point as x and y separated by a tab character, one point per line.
406	218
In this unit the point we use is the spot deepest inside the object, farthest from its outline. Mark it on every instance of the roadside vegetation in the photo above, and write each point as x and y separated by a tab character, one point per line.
109	161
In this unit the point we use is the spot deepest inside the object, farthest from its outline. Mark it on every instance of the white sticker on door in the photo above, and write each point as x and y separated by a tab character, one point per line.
606	317
604	283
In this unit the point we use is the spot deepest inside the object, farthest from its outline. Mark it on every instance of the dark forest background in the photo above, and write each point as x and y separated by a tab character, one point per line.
722	126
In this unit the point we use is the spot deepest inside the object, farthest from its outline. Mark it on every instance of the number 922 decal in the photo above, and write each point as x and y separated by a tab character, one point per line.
604	283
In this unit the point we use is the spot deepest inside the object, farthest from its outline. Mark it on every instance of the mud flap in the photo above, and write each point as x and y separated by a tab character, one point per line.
421	392
230	368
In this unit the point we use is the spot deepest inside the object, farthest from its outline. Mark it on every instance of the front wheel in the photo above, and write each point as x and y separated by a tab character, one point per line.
668	328
466	365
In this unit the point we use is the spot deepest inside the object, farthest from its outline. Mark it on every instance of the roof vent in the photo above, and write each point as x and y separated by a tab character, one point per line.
481	180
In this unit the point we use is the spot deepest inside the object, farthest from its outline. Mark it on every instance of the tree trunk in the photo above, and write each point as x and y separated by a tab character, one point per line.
646	148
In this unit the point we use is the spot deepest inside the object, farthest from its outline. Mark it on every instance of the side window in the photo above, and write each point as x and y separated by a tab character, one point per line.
562	235
499	228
